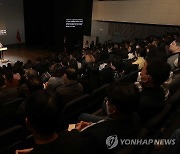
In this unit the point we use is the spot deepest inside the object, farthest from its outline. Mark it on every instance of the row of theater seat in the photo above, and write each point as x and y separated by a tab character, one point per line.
87	103
18	135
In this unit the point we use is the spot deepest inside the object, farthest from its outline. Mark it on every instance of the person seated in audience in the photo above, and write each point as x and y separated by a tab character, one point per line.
121	122
174	61
42	120
16	73
56	78
175	50
140	58
88	58
30	72
86	45
10	80
6	93
112	72
71	89
92	45
73	63
33	84
152	76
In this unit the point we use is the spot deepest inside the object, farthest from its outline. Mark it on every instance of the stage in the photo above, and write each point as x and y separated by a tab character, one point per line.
23	53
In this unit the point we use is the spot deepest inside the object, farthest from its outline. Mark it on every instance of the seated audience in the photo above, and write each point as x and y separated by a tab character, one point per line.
122	121
10	80
33	84
154	73
56	78
112	71
140	60
6	93
42	121
175	50
174	61
71	89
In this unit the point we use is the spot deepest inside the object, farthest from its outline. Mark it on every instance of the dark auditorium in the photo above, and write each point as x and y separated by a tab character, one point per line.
90	77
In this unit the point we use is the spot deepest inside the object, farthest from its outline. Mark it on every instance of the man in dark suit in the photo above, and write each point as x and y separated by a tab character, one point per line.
153	94
42	120
7	94
71	89
121	123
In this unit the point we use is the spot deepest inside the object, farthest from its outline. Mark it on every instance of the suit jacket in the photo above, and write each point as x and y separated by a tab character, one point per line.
8	94
171	59
70	90
97	138
151	102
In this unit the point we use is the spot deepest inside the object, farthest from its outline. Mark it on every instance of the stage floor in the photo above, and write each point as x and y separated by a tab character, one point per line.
23	53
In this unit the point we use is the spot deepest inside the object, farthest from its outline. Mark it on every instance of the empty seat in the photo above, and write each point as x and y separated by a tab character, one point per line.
8	113
73	109
154	121
96	98
174	99
10	138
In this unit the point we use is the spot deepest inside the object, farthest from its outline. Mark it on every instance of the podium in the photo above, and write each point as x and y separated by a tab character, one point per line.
2	56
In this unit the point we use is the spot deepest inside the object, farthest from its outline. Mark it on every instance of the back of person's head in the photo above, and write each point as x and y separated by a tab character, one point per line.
140	52
73	63
31	72
157	68
9	66
71	73
124	96
58	70
64	61
159	72
41	112
117	62
9	75
155	56
2	81
34	83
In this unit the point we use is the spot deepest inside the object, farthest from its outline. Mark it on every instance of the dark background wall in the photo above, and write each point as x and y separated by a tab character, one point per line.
45	22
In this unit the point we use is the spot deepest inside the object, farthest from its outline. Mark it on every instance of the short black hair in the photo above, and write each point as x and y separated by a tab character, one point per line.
125	96
42	112
177	40
155	56
2	81
34	83
31	72
71	73
159	72
157	67
9	75
117	62
58	70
